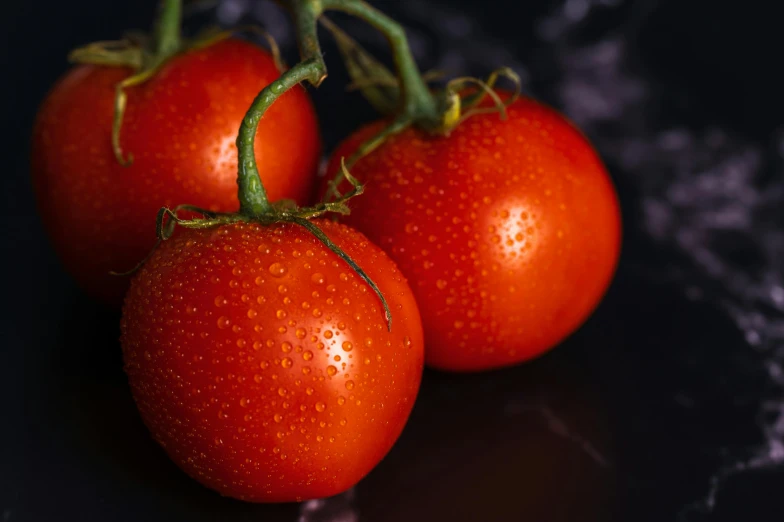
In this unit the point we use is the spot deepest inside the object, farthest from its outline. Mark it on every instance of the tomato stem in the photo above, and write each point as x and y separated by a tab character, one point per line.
418	104
168	38
251	193
417	101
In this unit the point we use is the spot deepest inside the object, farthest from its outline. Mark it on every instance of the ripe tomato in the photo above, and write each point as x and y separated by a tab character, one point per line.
262	363
507	230
180	127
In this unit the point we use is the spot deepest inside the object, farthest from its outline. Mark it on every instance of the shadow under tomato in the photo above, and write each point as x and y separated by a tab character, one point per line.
92	441
525	443
583	433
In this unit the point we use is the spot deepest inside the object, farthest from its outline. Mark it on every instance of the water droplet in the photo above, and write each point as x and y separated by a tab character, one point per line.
320	406
328	334
343	422
459	324
264	365
410	228
331	370
277	269
441	284
349	385
316	312
309	390
407	342
306	370
347	346
223	322
282	392
307	355
286	362
318	278
280	314
241	343
244	402
285	346
341	400
252	313
221	301
300	333
277	417
190	309
257	378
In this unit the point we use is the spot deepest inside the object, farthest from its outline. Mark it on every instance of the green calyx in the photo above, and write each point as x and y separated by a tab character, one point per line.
283	211
445	109
404	97
143	54
146	54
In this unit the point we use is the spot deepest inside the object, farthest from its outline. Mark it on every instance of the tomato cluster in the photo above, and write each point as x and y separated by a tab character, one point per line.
276	358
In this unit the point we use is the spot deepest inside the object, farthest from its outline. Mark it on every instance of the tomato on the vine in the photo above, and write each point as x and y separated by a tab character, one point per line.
262	362
507	230
180	128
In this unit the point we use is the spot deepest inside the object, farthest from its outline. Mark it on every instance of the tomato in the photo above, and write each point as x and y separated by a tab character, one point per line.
180	127
507	230
262	363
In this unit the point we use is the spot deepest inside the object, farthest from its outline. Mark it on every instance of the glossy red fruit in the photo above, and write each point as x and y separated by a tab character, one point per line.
180	127
262	363
507	230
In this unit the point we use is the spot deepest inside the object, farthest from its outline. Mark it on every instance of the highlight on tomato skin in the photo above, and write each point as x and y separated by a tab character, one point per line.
180	128
508	231
263	364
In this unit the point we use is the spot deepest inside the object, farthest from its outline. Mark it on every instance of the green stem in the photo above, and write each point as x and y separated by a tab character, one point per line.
251	193
418	103
168	39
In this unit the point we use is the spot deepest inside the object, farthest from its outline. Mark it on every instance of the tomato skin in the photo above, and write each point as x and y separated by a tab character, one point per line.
508	231
231	339
180	127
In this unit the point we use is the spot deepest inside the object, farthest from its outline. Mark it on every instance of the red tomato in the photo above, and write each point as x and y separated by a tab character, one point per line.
262	363
508	231
181	128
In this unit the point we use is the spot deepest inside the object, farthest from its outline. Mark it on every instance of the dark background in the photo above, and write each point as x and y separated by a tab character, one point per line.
666	405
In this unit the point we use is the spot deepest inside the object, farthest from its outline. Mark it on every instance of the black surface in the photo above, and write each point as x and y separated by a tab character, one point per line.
666	405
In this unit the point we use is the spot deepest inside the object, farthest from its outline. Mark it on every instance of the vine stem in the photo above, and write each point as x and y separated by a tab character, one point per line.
251	192
417	102
168	32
